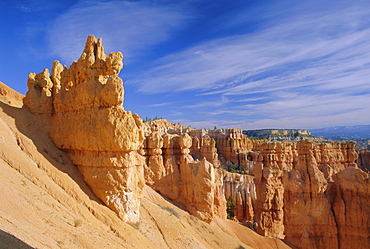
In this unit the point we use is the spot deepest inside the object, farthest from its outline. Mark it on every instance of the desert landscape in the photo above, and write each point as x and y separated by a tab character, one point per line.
80	171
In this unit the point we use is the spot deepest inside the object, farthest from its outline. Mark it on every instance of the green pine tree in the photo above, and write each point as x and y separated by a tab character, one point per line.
230	207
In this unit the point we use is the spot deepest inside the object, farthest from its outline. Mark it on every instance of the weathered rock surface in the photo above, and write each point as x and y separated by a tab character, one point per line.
299	189
45	202
295	190
90	124
350	206
363	160
10	96
243	191
312	194
171	170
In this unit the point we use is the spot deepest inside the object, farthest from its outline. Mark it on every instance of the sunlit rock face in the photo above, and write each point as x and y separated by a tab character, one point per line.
297	191
90	124
312	194
303	194
171	170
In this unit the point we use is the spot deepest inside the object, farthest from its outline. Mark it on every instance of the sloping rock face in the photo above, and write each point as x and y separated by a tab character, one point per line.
10	96
171	170
90	124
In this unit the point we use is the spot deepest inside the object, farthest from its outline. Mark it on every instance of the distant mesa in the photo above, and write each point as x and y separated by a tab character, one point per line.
282	135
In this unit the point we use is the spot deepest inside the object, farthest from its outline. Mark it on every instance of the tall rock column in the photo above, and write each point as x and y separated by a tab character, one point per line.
155	170
195	184
89	123
309	222
270	191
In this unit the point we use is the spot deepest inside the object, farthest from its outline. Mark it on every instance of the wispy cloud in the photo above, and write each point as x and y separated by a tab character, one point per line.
219	102
130	27
24	8
160	104
303	66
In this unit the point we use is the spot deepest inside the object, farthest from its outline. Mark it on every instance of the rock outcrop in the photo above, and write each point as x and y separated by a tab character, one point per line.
89	123
10	96
349	199
243	191
363	160
300	194
282	135
312	194
171	170
297	191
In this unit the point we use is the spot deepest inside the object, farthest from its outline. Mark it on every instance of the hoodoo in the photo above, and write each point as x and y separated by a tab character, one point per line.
89	122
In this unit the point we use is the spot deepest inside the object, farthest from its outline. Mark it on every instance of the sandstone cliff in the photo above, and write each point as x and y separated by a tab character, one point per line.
45	202
312	194
293	190
364	160
301	194
88	122
171	170
9	96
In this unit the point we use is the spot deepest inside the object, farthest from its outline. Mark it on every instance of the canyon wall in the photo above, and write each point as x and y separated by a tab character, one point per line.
312	194
297	191
87	120
172	171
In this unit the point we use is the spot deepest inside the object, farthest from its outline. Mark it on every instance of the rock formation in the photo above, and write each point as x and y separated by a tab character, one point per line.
297	191
312	194
301	193
243	191
349	198
10	96
90	124
197	185
363	160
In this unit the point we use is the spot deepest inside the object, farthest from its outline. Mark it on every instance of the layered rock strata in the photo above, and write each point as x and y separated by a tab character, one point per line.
90	124
297	191
243	191
171	170
312	194
301	194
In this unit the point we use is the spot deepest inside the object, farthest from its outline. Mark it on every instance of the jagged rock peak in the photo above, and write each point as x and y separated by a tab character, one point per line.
88	122
93	80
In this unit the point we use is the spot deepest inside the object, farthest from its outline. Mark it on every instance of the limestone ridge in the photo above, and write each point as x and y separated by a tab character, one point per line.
89	122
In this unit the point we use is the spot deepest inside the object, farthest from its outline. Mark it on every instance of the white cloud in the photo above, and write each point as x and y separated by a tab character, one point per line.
130	27
307	69
160	104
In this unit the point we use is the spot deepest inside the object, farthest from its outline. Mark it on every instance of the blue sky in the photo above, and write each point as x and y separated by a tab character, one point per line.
241	64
